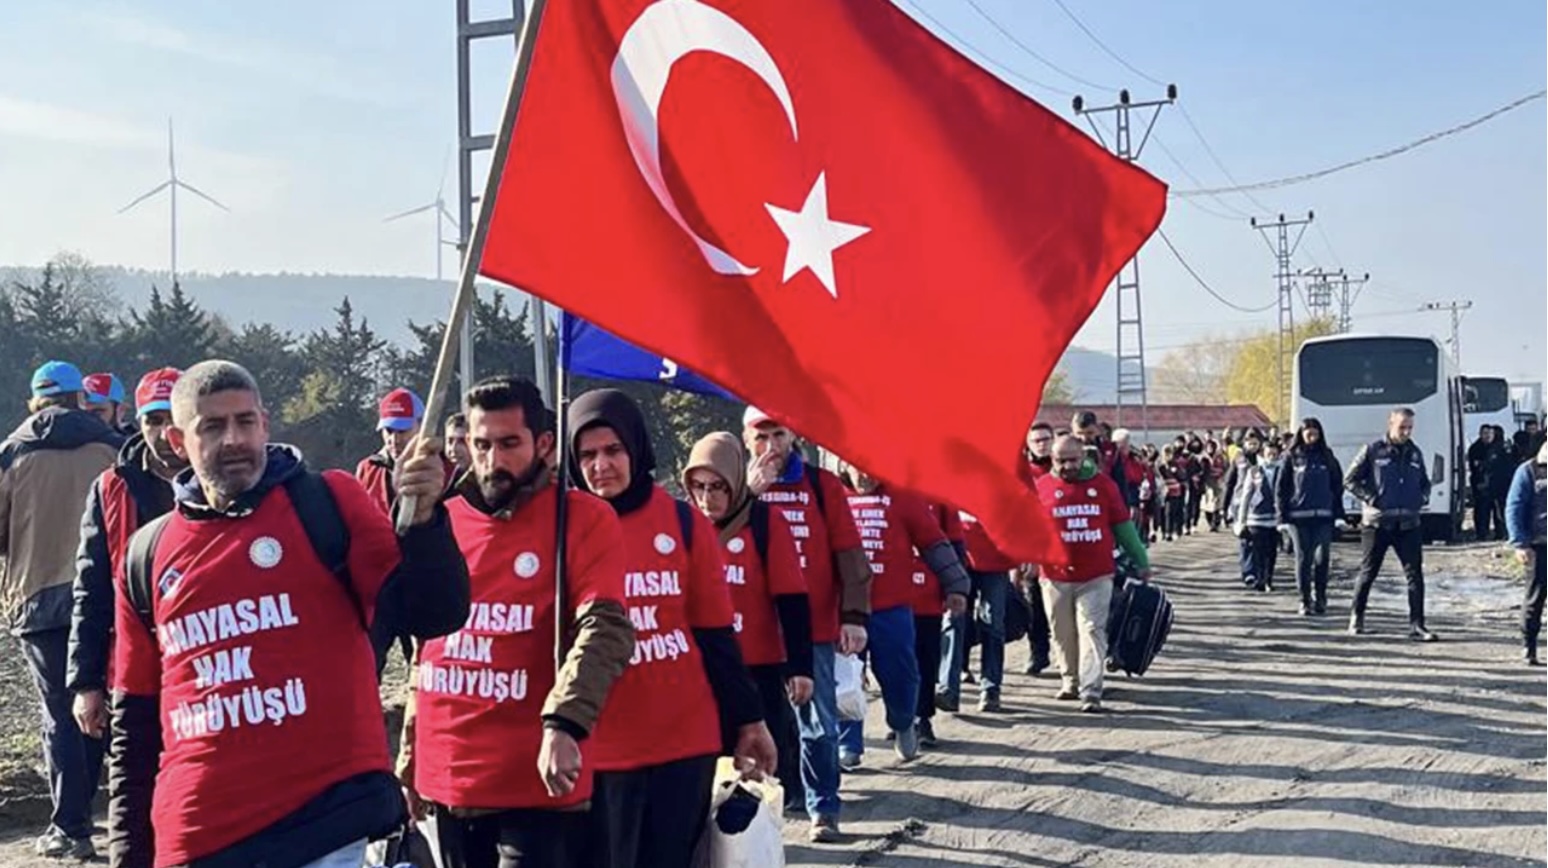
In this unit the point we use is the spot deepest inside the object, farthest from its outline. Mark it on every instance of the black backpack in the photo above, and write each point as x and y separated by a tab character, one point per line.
315	507
757	520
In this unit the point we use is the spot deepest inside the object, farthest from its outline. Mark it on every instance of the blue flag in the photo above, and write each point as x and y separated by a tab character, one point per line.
586	349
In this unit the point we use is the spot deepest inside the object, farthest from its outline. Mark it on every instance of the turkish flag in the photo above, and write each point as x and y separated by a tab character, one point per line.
825	209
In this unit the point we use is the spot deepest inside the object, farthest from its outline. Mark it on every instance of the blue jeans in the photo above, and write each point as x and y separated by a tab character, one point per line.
74	760
818	721
890	648
989	591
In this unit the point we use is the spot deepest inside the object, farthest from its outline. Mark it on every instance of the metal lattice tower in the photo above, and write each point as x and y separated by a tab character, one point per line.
1456	309
1319	291
468	144
1346	298
1284	279
1130	374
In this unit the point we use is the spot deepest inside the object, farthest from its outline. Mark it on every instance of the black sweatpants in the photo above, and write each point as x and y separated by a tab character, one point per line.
1038	635
780	718
650	817
1408	543
73	759
927	650
511	839
1537	592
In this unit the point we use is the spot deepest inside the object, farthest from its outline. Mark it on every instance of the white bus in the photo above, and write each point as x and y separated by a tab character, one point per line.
1351	383
1486	401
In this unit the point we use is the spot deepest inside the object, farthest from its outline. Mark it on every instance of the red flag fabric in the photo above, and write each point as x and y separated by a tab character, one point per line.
828	211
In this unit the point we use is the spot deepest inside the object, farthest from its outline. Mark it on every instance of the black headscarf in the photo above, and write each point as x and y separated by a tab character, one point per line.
615	410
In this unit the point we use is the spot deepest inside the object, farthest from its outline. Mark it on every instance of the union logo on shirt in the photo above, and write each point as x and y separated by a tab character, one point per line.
265	552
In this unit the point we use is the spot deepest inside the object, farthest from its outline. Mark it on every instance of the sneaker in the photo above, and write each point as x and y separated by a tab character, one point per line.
1529	657
967	677
1038	665
1419	634
945	703
907	745
824	830
1320	607
1111	664
926	732
989	703
1067	694
1356	625
848	761
55	844
1091	706
1305	609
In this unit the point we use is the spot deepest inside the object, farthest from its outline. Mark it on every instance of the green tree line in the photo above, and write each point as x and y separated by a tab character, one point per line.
321	388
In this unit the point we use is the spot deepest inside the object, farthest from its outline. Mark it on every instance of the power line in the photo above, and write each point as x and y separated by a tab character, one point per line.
1207	288
969	47
1188	118
1026	49
1237	213
1372	158
1102	45
1329	244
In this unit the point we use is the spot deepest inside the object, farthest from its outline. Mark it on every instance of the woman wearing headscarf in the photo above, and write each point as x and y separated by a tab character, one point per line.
773	620
656	742
1308	501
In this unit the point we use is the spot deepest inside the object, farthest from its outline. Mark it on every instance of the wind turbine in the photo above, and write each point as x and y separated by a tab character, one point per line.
442	216
171	184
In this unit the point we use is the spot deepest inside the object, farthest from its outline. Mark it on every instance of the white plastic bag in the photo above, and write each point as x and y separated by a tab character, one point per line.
761	844
849	675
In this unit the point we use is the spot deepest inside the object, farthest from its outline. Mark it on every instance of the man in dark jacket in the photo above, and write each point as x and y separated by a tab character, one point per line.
135	490
1389	478
1481	463
46	467
232	628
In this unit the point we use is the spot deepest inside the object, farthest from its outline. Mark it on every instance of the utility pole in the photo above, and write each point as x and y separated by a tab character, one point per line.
1283	250
468	144
1456	309
1130	375
1346	299
1319	291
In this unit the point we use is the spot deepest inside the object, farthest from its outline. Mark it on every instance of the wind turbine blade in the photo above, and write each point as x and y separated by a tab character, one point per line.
445	166
410	212
171	153
447	214
202	195
143	196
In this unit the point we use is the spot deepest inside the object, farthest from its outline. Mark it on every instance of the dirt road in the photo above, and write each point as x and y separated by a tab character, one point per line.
1259	738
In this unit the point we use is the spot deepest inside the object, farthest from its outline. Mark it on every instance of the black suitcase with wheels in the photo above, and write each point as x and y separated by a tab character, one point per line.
1137	627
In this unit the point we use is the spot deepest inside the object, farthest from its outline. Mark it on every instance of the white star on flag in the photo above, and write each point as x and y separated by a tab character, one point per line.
813	237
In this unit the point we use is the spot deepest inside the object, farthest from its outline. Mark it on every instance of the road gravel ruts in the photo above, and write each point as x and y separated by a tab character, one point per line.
1258	738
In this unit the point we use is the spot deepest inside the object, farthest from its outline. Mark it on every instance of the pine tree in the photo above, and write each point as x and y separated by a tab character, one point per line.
175	332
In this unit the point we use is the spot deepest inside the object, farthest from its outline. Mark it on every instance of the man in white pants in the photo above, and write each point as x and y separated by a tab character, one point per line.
1093	518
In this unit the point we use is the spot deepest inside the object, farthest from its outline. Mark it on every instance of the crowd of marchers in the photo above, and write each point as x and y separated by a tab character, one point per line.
213	617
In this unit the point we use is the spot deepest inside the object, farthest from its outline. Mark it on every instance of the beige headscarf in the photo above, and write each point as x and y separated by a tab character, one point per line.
723	454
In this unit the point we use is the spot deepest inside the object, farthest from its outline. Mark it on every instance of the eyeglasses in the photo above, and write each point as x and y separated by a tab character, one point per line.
716	487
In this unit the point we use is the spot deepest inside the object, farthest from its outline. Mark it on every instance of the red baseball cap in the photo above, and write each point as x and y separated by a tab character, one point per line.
155	391
400	410
98	388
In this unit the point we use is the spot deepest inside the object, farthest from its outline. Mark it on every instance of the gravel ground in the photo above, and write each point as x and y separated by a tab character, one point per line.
1258	738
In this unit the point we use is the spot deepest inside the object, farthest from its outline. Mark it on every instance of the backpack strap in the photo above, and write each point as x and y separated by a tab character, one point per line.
685	523
758	521
139	566
318	512
814	479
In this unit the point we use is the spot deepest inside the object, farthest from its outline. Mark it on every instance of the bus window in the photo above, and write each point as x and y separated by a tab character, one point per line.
1389	371
1485	394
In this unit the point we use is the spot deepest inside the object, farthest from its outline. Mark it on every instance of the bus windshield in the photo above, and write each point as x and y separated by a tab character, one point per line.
1365	371
1485	394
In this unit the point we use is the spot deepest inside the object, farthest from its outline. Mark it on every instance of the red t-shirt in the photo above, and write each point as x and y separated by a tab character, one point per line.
818	534
266	679
928	599
1085	512
754	585
480	691
892	525
662	708
983	557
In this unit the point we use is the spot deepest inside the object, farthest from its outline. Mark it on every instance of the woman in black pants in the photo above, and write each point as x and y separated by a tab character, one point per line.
1308	500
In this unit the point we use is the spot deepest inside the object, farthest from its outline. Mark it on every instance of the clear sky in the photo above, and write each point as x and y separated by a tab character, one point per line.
313	121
